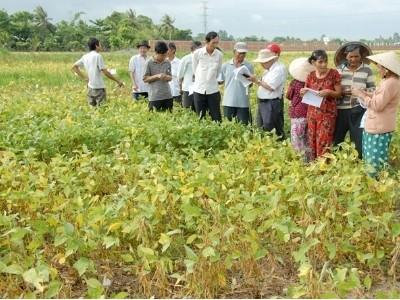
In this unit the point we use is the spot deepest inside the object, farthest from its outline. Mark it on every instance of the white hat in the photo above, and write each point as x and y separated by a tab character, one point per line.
300	68
265	55
389	60
240	47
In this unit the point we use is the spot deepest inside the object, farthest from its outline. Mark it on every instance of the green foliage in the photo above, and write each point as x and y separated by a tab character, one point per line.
175	205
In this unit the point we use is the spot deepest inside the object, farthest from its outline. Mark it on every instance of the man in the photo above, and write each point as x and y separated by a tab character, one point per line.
354	73
94	64
157	74
235	102
207	62
136	69
270	92
174	83
185	77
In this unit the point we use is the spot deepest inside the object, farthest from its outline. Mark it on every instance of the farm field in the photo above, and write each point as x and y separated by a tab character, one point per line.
118	202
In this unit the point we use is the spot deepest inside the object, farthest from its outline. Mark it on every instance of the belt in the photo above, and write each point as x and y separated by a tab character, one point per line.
266	100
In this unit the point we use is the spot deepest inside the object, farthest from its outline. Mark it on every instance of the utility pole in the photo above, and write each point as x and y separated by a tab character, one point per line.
205	8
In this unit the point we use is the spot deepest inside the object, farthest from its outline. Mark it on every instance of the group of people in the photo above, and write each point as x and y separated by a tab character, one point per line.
350	101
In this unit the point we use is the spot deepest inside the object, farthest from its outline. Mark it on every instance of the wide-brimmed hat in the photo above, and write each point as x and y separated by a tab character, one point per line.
299	68
143	44
388	60
340	55
241	47
264	56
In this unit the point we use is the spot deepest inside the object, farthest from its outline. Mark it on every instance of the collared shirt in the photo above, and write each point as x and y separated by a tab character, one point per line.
174	83
235	94
361	78
275	77
206	68
185	72
159	89
137	65
93	63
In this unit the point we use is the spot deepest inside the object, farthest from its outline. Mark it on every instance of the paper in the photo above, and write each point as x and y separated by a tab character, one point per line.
311	97
191	89
112	71
239	75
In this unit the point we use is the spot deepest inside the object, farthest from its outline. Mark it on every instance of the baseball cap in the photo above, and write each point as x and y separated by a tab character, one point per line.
241	47
274	48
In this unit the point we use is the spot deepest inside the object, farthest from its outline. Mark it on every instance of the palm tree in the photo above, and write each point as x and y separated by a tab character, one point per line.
167	26
42	21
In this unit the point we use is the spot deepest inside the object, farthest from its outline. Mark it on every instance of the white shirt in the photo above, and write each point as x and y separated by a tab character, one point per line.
206	68
137	66
174	83
185	72
93	63
275	77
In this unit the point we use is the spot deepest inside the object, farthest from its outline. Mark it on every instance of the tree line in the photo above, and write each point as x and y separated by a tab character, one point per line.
35	31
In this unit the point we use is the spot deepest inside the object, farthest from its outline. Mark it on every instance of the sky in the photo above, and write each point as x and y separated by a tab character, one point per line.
305	19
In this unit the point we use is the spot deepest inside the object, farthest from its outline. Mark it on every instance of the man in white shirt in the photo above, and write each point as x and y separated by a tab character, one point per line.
270	91
185	77
207	62
94	64
136	68
174	83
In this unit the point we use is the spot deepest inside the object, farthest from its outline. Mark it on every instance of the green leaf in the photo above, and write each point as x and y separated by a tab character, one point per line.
32	277
53	289
82	265
310	229
95	288
331	249
367	282
190	254
109	241
13	269
69	228
127	258
121	295
164	240
395	229
208	251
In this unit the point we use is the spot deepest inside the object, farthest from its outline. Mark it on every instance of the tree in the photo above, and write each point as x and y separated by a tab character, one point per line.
167	27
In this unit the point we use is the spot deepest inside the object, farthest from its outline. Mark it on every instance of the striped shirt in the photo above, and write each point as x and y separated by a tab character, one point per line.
361	78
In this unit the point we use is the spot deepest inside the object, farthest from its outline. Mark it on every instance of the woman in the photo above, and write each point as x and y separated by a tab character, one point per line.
321	120
299	69
381	112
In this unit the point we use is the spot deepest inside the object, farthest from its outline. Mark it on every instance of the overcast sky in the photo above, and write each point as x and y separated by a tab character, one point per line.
350	19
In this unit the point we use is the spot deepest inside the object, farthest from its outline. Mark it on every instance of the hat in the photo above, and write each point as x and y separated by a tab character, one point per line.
388	60
264	56
340	55
299	68
241	47
143	44
274	48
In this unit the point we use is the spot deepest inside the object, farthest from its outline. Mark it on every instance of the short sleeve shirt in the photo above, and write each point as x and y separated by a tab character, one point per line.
328	82
235	94
137	65
275	77
93	63
159	89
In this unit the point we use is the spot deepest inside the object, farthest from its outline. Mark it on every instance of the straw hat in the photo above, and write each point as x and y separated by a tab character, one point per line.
388	60
264	56
299	68
340	55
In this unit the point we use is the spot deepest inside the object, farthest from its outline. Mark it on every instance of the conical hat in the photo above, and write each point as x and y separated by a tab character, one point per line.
340	56
299	68
389	60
